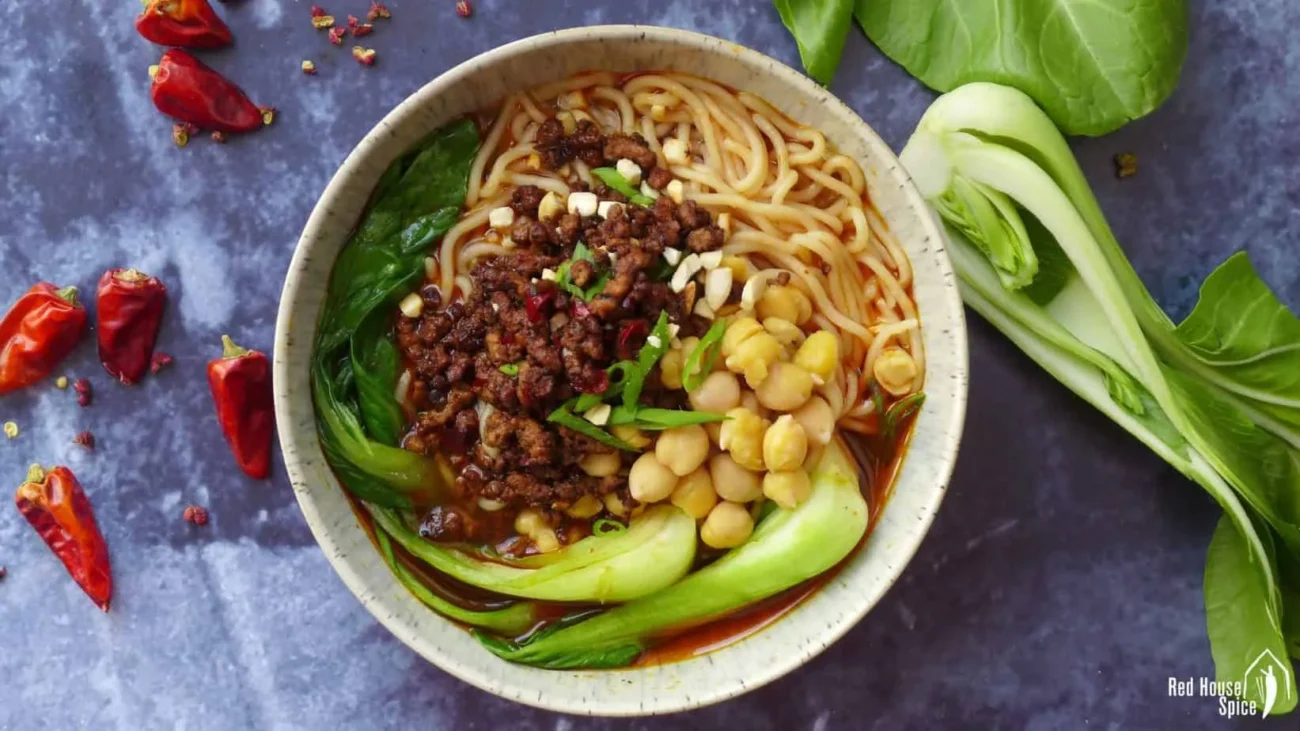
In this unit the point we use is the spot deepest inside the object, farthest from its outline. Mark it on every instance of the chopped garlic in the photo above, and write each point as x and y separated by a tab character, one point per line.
496	307
673	329
583	204
703	309
550	207
685	271
654	341
572	100
672	256
489	505
508	243
629	170
598	415
411	305
675	151
711	259
604	208
613	258
718	288
567	121
549	275
752	292
502	217
676	191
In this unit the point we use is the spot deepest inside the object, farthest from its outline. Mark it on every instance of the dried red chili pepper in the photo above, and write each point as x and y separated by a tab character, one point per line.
187	90
130	308
241	388
38	332
84	393
185	23
158	362
56	506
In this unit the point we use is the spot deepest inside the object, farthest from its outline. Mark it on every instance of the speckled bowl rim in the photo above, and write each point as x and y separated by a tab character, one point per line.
940	423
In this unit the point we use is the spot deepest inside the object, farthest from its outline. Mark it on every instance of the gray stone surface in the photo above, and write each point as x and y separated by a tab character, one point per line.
1059	588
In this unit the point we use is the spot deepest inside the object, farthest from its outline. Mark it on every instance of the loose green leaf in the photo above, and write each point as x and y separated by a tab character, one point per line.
820	28
1094	65
699	364
614	179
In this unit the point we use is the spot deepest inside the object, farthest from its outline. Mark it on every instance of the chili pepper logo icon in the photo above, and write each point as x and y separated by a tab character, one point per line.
1270	679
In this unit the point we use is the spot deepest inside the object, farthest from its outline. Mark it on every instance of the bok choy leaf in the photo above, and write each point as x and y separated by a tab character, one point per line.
1213	396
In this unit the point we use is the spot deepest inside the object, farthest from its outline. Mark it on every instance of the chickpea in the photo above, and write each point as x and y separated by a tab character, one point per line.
738	331
714	430
683	449
546	540
787	489
733	482
749	400
694	494
817	420
742	436
727	526
754	357
529	521
815	452
786	333
614	504
600	465
819	354
649	481
670	369
895	370
719	393
784	445
586	507
631	435
785	302
786	388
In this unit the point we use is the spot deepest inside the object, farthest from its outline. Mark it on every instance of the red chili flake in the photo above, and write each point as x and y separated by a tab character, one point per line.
268	115
378	10
196	515
85	439
336	35
317	11
158	362
84	392
321	22
357	28
309	67
3	573
365	56
464	9
218	136
180	135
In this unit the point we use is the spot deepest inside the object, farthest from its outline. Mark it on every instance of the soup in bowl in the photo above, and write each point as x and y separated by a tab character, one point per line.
608	370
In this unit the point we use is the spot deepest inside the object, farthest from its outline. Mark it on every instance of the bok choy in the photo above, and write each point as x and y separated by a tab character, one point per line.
787	547
1216	396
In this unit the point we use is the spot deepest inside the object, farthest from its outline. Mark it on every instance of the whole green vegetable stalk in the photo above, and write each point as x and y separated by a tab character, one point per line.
787	547
1217	396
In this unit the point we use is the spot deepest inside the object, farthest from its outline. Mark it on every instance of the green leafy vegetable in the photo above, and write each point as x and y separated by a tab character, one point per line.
1092	64
786	548
510	369
354	369
699	364
614	179
656	550
820	28
1086	317
510	621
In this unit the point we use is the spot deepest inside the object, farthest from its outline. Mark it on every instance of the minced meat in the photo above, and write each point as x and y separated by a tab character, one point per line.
490	368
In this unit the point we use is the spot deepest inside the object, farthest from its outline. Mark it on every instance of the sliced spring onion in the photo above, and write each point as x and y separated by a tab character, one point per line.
699	364
646	360
510	369
898	412
614	179
566	418
580	253
650	419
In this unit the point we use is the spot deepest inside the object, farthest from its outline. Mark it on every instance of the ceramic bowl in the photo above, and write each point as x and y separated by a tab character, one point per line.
818	621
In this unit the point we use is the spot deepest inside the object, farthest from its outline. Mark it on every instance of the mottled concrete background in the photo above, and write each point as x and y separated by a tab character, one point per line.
1060	587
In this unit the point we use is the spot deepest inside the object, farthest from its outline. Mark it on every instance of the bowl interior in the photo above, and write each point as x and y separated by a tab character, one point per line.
764	656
